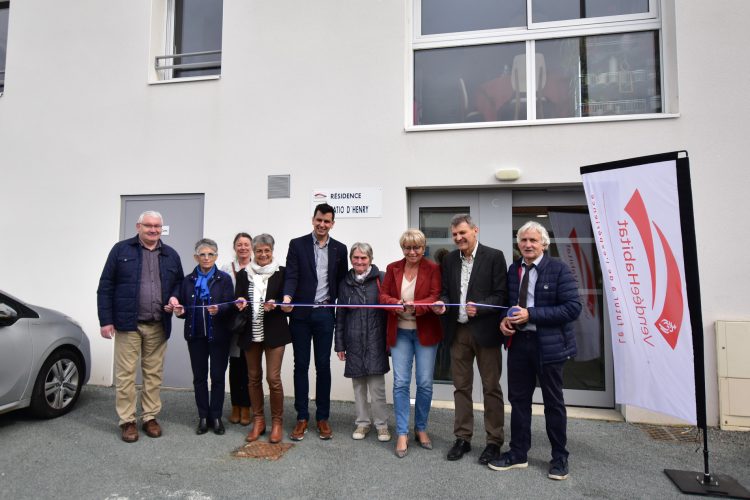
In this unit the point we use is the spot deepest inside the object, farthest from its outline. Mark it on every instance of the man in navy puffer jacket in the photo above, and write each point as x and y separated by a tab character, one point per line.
540	338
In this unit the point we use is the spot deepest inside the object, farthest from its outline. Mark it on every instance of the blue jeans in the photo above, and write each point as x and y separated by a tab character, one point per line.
318	329
406	350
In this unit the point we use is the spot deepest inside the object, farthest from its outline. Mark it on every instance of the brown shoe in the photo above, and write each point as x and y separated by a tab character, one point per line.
152	428
298	434
277	432
259	428
324	430
129	432
244	415
234	418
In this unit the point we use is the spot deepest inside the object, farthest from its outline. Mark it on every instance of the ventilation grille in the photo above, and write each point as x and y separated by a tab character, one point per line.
278	186
681	434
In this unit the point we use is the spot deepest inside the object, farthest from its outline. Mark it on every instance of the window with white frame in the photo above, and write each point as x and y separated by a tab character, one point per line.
587	58
191	32
4	10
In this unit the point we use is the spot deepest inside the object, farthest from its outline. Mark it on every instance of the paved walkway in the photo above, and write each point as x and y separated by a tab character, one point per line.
81	456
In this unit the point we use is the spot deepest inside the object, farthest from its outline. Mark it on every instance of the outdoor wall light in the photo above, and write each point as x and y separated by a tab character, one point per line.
508	174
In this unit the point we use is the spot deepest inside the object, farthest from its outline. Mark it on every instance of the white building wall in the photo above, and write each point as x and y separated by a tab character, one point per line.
315	90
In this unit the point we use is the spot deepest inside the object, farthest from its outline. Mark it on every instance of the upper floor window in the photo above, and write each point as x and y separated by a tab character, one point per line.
191	30
4	9
585	58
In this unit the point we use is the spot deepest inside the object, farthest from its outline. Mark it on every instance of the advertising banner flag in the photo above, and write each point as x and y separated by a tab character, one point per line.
635	215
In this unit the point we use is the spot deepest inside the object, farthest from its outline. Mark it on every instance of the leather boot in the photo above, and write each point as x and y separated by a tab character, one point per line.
259	421
277	412
244	415
277	431
259	428
234	418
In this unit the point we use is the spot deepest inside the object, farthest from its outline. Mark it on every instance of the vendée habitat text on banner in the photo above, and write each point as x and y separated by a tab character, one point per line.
635	216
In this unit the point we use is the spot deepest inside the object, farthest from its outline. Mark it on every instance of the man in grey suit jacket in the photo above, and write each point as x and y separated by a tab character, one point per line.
474	274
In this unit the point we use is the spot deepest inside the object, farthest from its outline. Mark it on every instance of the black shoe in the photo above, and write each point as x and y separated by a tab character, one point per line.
558	469
460	447
218	426
507	461
491	452
202	426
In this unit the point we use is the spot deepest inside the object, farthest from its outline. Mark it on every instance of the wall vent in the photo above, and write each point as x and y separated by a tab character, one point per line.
279	186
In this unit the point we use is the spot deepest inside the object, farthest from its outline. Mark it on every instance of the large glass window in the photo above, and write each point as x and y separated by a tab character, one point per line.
446	16
4	10
560	10
586	58
600	75
193	39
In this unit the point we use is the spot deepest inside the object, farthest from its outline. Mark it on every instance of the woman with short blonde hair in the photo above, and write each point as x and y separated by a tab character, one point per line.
413	333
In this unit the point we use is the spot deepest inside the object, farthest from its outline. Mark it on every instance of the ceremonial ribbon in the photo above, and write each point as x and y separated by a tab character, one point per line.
363	306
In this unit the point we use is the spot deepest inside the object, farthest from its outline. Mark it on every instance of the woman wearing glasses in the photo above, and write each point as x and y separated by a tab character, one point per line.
413	334
267	334
204	299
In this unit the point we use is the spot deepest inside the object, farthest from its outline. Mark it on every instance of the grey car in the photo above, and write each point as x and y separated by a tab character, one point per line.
45	359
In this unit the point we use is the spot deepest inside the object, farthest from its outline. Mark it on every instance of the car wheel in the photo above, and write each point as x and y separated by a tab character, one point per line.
58	384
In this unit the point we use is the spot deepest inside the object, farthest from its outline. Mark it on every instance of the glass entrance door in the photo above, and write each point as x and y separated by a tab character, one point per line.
588	379
431	212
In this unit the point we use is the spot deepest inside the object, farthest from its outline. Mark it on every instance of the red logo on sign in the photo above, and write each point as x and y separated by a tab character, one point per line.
670	319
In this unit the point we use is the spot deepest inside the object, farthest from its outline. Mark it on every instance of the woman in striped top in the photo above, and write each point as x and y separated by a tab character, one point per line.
267	333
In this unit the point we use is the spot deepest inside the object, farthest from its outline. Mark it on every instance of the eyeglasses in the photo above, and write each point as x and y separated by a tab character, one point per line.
412	249
151	226
206	255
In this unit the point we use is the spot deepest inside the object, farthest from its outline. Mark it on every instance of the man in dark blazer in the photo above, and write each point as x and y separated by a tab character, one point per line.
540	340
315	264
474	274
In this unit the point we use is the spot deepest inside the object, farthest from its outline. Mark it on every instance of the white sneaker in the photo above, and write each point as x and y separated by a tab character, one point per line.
360	432
384	435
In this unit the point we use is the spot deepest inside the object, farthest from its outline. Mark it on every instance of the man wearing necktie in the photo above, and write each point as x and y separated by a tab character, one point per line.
540	338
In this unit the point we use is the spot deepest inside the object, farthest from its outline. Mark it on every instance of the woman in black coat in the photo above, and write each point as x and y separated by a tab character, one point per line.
360	341
267	333
204	300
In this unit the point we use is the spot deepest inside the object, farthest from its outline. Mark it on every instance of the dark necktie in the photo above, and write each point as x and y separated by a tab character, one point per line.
524	292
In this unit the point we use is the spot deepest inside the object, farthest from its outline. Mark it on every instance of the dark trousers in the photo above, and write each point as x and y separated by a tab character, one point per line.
489	362
524	367
318	330
202	355
238	381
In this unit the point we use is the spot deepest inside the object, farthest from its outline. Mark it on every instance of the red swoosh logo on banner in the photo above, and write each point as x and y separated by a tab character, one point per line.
670	319
586	274
637	211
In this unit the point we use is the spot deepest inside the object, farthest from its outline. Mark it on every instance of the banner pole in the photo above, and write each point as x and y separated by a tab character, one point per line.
688	481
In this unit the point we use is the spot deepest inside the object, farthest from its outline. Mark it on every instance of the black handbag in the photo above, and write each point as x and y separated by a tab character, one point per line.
240	321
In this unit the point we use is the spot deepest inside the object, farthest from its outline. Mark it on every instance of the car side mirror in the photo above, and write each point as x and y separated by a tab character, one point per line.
8	315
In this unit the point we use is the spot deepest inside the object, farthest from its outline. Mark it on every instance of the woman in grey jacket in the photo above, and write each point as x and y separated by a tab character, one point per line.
360	341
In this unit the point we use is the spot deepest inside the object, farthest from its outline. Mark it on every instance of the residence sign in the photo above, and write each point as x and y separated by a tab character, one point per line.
351	202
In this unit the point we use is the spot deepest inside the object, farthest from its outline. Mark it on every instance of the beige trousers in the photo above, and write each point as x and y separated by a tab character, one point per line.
148	343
